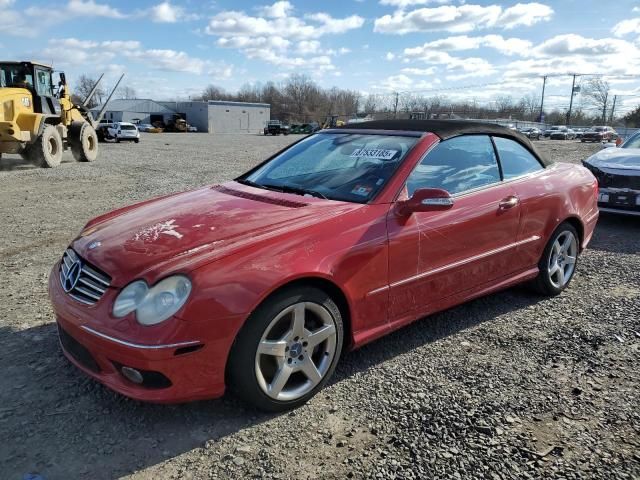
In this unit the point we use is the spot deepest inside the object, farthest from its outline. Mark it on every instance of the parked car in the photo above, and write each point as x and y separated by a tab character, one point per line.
531	132
260	283
103	132
579	132
276	127
295	128
550	130
562	133
144	127
618	174
123	132
599	134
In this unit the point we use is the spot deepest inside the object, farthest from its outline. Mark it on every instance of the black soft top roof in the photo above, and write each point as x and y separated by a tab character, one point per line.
446	129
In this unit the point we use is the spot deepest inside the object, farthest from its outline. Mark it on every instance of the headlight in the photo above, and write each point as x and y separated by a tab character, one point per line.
153	305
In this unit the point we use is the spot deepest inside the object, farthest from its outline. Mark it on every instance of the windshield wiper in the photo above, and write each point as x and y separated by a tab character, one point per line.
297	190
251	183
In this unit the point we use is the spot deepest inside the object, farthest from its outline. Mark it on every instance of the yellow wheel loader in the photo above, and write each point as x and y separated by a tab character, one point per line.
38	119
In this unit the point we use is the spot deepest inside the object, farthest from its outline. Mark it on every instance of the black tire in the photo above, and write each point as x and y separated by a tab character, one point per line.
84	142
543	283
46	151
137	140
117	139
241	367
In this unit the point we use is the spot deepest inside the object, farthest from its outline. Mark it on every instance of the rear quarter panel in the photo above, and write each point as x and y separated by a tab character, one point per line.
562	191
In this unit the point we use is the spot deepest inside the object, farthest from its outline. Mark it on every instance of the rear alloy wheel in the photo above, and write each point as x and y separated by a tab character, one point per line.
287	350
46	151
558	263
84	142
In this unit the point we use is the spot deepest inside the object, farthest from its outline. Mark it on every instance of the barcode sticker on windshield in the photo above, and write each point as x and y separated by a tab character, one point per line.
379	153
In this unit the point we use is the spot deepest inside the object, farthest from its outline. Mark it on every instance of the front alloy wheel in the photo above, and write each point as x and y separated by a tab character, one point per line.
287	349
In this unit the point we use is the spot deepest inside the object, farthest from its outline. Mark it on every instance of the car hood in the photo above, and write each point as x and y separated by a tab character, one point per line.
184	231
620	161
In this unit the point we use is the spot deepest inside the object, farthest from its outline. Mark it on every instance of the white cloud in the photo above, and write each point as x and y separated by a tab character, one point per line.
89	8
88	53
389	56
14	23
626	27
270	37
524	15
462	18
419	71
401	82
410	3
507	46
165	12
308	47
572	44
277	10
470	64
6	3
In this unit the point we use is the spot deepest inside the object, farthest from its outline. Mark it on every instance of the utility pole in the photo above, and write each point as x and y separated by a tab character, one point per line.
613	109
395	106
573	87
544	84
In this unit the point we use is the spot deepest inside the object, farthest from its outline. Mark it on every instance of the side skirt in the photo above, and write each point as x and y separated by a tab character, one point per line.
367	336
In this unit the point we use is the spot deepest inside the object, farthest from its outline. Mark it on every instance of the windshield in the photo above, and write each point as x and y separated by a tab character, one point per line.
337	166
15	75
632	142
127	127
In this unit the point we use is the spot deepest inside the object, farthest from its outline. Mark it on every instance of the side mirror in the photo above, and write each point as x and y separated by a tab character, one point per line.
425	200
63	79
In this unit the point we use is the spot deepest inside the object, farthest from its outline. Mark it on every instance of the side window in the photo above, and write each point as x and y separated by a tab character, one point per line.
515	159
457	165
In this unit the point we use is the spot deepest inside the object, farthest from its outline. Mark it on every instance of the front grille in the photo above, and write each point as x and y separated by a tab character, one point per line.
77	351
81	281
608	180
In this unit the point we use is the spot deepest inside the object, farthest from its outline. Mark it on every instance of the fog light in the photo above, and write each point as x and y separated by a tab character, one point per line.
132	374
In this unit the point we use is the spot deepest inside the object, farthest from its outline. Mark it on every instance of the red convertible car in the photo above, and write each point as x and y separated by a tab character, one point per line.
259	284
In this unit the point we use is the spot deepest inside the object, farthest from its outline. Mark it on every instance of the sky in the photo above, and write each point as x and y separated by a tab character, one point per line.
468	49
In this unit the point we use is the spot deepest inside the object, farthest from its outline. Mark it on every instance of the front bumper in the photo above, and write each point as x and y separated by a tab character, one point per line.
186	365
619	200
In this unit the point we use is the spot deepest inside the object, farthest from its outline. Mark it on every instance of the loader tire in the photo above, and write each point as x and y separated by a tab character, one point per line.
84	142
46	151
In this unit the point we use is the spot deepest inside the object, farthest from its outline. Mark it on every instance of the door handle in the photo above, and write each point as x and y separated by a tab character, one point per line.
509	202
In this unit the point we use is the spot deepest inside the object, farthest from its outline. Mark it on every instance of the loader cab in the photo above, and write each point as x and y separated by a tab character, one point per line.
37	78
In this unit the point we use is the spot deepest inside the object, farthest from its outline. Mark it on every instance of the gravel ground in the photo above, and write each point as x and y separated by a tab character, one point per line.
508	386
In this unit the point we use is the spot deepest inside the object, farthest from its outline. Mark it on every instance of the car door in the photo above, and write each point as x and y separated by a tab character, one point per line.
436	254
527	176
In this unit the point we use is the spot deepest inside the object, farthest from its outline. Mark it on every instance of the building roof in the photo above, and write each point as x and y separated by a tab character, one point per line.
448	129
138	105
239	104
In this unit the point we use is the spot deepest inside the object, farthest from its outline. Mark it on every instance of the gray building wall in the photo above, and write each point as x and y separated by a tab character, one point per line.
237	117
215	116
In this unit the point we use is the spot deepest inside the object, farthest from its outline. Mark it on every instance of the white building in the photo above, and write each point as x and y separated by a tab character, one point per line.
214	116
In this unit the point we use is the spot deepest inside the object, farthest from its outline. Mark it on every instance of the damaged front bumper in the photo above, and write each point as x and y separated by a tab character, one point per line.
619	200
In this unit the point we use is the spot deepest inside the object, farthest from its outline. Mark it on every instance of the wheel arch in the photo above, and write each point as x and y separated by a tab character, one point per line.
576	223
322	283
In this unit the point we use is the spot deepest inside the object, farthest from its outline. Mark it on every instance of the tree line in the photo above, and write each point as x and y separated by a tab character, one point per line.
298	99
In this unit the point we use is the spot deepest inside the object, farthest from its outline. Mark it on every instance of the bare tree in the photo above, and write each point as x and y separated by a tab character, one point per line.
127	92
597	93
212	92
299	88
83	88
